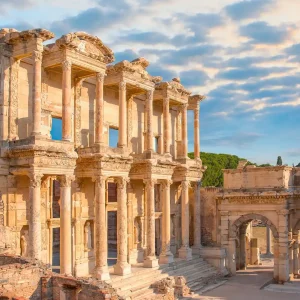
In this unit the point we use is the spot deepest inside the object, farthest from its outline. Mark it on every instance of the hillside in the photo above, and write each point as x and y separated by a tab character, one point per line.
213	176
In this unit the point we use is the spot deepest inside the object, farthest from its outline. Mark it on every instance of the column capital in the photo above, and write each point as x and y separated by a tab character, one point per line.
100	77
150	94
35	180
150	182
66	65
196	184
283	212
65	180
122	85
165	184
185	184
37	55
100	181
183	106
121	182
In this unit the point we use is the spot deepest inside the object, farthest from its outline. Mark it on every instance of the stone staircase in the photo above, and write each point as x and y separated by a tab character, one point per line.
137	285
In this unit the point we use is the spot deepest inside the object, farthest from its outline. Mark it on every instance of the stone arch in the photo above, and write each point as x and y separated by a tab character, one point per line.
249	217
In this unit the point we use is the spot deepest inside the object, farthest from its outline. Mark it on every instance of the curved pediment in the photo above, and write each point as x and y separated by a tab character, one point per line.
86	44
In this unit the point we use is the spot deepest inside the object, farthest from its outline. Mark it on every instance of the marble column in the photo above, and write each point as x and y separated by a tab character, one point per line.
296	256
167	125
99	138
185	251
184	131
65	224
35	228
122	266
149	113
197	218
166	255
101	270
151	260
36	92
196	133
122	115
283	246
268	240
66	101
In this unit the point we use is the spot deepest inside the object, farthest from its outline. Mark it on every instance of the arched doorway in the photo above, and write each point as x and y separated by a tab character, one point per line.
240	241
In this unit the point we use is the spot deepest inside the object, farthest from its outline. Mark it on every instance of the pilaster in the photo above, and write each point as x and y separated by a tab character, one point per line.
66	101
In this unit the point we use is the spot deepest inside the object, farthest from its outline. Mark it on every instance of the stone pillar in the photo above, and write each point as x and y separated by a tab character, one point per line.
166	255
197	218
99	138
268	239
149	111
65	224
36	92
35	228
167	125
184	131
101	270
122	267
276	259
122	115
196	133
185	251
66	101
150	261
283	246
296	256
232	256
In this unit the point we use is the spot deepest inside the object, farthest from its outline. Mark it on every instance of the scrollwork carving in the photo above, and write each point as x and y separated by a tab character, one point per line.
166	184
121	182
150	183
150	94
37	56
66	65
100	181
185	185
100	77
65	180
35	180
122	86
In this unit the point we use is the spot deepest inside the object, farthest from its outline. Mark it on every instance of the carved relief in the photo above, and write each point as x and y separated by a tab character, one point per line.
35	180
67	65
65	180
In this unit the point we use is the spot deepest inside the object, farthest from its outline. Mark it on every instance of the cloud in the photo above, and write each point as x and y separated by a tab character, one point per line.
247	9
125	55
263	33
193	78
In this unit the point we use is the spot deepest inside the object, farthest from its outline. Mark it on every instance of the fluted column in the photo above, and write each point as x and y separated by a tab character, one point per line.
196	133
166	255
99	138
101	270
35	229
149	113
150	260
122	115
66	101
197	218
122	266
167	124
36	92
65	224
185	251
184	130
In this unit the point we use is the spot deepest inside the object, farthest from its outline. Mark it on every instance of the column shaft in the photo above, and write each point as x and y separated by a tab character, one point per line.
65	225
99	138
122	115
36	92
196	133
150	260
66	101
122	267
185	251
296	256
149	109
269	236
166	255
184	130
101	269
167	125
197	218
35	229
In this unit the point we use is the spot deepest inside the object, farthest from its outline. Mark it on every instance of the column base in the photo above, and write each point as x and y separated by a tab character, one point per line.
166	258
185	253
151	262
196	250
102	273
122	269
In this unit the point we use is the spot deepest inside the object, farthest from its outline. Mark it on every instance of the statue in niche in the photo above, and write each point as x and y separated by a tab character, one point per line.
137	231
87	236
23	243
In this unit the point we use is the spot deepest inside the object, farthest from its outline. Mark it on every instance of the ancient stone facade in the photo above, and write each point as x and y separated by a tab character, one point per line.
59	194
268	194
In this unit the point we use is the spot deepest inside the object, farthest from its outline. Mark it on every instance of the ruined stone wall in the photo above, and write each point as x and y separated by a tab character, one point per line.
209	216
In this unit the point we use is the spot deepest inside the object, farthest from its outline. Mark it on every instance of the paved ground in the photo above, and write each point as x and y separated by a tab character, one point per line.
246	286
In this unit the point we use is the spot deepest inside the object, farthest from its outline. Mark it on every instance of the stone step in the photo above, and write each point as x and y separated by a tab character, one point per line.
190	273
197	266
142	293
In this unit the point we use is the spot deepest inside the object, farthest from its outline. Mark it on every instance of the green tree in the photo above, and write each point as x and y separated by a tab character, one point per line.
279	161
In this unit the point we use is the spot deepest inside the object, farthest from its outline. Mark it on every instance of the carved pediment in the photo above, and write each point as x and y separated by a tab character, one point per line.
173	86
86	44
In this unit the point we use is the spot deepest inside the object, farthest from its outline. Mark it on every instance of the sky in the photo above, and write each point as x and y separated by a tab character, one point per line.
244	56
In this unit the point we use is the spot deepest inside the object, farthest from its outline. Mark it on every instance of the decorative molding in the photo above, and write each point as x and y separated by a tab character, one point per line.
122	86
67	65
100	77
65	180
37	56
35	180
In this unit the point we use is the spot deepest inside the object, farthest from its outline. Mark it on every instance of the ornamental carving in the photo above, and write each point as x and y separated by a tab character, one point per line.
253	200
150	183
67	65
78	88
37	56
150	94
122	86
35	180
165	184
121	183
185	185
100	181
100	77
65	180
13	105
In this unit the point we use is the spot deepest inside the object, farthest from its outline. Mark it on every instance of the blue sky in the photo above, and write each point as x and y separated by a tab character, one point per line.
243	55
